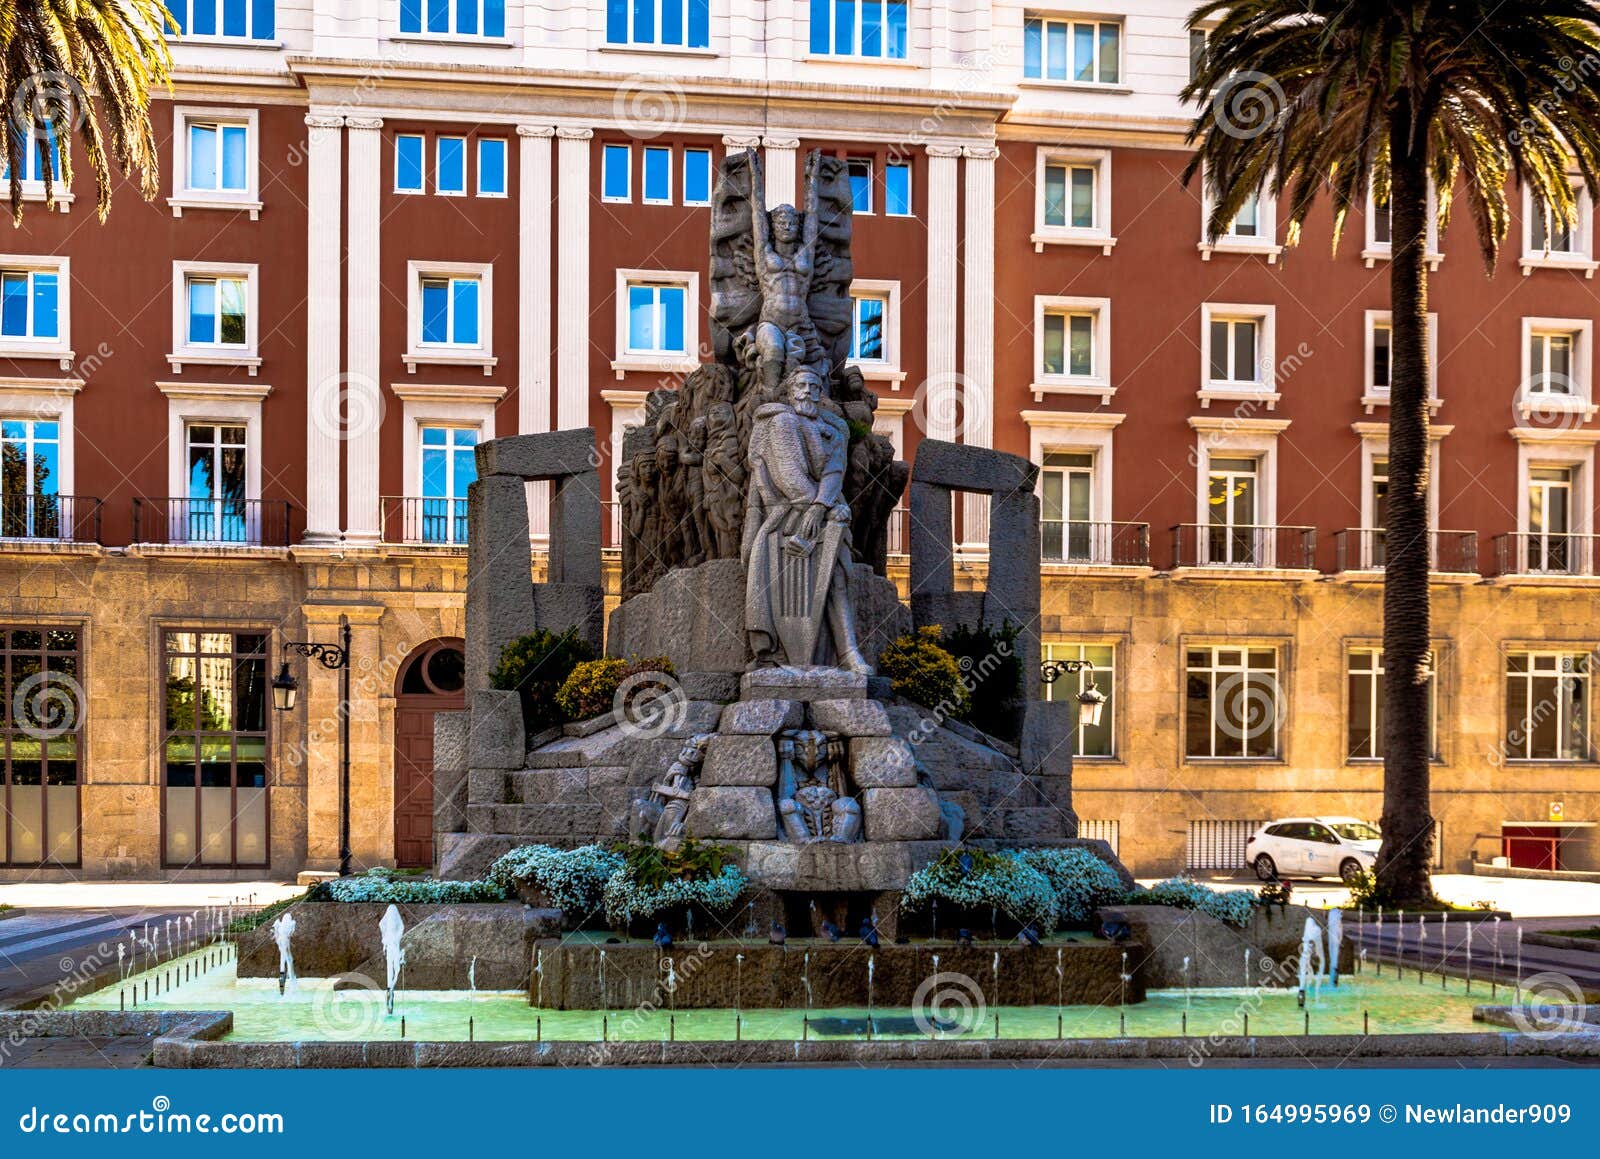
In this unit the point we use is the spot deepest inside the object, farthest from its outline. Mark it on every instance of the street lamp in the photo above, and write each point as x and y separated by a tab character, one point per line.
1091	701
284	690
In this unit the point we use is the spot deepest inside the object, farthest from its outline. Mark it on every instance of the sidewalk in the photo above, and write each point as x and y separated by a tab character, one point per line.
161	895
1520	897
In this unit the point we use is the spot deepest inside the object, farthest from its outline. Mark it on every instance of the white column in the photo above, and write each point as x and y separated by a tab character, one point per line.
364	394
977	329
572	307
780	169
324	197
735	143
943	386
533	302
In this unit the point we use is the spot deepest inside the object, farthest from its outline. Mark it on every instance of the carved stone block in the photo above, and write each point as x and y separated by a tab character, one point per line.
740	760
732	814
901	814
882	762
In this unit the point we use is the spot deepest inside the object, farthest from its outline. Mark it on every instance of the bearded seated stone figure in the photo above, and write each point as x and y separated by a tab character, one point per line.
811	805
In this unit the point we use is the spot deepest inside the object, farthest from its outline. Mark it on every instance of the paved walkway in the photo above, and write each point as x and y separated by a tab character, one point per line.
1520	897
187	896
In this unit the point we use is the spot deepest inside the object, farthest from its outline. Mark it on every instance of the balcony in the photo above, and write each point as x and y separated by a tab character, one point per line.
1364	549
50	518
212	522
1073	541
1550	555
1244	547
422	520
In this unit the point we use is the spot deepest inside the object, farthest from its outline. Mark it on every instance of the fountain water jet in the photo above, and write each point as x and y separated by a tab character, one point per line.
282	933
392	928
1335	941
1312	960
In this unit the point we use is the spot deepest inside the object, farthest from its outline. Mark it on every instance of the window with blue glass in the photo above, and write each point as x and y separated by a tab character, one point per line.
657	175
656	318
697	176
30	302
450	311
215	505
448	469
664	23
486	18
491	167
868	28
30	468
1080	51
866	329
217	311
451	166
897	189
218	156
35	147
409	150
860	169
234	19
616	161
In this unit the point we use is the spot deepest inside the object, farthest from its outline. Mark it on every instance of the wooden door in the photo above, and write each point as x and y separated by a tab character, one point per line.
431	682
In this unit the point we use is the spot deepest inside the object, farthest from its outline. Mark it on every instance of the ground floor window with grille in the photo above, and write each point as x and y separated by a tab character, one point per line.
41	727
1547	706
1233	703
1364	711
1097	740
215	748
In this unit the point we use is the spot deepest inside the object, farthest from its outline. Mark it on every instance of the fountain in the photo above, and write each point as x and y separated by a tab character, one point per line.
1312	960
391	929
282	933
1335	941
1469	957
994	974
1519	967
805	975
1187	989
538	977
872	969
1247	967
472	975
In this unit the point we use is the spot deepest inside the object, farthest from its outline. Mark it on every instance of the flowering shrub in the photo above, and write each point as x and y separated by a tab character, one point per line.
1233	906
992	880
1082	883
405	891
627	898
923	671
535	666
573	879
591	689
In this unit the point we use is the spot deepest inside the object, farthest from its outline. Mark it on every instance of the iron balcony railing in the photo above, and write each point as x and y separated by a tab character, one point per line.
1545	553
1084	542
61	518
420	519
1367	549
1243	546
212	522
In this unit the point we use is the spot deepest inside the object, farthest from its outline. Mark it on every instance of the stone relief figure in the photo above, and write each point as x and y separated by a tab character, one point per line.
812	802
796	529
725	476
659	817
785	249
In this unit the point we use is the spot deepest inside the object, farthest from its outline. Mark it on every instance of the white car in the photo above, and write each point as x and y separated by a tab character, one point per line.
1313	847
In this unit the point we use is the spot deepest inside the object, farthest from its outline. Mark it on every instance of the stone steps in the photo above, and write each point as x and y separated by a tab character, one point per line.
537	824
542	786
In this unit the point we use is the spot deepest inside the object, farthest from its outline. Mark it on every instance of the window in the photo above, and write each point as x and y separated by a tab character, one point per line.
616	162
232	19
1547	706
897	189
1364	713
1377	505
451	311
1548	241
216	507
409	149
1079	51
657	175
214	315
41	745
875	29
451	315
1253	229
867	318
1557	358
1234	351
1233	523
1073	204
697	176
1550	361
1246	223
1097	740
35	147
1069	344
1380	231
1550	233
480	18
655	318
1069	196
214	749
30	480
1234	705
1072	346
218	152
30	305
451	171
665	23
215	159
1378	374
1382	223
1067	502
1197	52
860	169
1379	359
448	469
491	167
218	311
1550	519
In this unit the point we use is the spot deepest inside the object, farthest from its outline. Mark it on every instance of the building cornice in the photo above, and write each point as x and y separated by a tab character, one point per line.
215	391
446	392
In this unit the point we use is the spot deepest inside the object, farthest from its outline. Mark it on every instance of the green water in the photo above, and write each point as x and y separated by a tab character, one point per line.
318	1012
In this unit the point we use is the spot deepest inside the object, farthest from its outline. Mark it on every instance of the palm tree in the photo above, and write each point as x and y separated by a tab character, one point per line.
82	68
1312	98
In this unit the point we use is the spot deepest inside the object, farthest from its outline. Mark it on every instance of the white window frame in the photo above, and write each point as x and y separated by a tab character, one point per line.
1120	85
35	190
214	404
438	168
1278	678
1100	236
1572	450
1375	251
872	184
888	368
1546	650
183	352
644	182
46	400
909	60
505	172
1374	395
57	349
1265	245
627	150
627	360
1375	446
429	405
417	353
1216	390
248	199
1095	385
1078	433
1580	259
452	37
711	172
1238	438
911	186
1377	673
1531	403
1071	684
422	189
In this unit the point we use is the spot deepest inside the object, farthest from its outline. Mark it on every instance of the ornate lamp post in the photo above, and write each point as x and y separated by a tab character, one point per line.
1090	701
284	690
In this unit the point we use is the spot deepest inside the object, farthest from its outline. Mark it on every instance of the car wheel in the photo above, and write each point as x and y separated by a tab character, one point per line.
1350	870
1266	868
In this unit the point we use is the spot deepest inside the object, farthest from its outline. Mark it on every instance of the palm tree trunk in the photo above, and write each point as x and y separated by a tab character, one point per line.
1405	860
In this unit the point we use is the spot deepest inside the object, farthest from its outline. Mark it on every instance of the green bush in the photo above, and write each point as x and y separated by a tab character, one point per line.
573	879
383	888
988	659
591	688
1082	882
653	880
1233	906
998	881
923	671
536	666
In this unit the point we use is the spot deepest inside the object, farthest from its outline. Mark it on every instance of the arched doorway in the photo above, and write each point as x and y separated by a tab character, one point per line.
433	680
